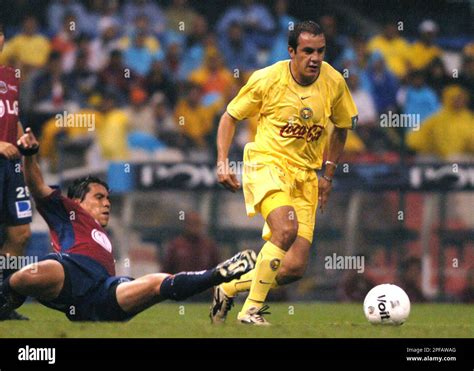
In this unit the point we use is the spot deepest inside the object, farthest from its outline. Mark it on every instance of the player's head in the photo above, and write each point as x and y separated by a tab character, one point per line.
306	45
92	194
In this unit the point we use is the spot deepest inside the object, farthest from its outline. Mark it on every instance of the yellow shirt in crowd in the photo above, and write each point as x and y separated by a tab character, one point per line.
30	50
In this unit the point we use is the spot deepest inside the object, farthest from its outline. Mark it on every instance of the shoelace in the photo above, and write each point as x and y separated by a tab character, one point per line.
261	312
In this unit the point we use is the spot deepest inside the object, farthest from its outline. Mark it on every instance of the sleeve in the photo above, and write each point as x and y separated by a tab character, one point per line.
52	208
248	101
343	109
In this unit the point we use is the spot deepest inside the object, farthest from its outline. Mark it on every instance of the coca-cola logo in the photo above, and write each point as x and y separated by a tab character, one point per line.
309	133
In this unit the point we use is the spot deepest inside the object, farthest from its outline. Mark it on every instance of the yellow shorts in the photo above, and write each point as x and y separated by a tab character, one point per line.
264	175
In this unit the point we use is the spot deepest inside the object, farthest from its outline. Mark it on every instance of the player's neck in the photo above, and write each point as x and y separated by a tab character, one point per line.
299	79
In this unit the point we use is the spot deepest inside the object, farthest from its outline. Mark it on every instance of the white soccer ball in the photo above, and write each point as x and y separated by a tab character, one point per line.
387	304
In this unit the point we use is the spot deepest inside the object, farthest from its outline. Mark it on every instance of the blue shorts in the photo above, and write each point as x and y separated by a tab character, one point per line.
15	204
89	292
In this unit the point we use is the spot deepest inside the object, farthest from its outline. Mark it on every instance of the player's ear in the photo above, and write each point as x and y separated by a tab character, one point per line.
291	51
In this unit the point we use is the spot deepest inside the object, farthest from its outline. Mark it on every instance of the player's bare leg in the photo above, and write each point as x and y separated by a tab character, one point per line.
43	281
17	237
292	269
140	294
284	227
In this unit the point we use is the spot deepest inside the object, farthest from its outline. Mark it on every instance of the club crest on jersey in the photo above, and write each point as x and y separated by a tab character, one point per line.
306	113
102	239
3	87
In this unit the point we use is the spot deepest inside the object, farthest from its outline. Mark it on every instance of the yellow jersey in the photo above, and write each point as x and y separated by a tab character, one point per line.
293	119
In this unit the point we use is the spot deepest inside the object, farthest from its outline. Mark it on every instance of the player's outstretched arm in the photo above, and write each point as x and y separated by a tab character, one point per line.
28	145
336	147
225	134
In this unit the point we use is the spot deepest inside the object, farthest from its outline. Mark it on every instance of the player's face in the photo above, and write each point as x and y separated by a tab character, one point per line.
308	57
97	203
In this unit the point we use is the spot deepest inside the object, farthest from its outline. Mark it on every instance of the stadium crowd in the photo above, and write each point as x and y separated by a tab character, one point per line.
157	78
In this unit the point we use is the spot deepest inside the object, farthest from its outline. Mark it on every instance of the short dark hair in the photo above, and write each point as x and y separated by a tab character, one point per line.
305	26
80	187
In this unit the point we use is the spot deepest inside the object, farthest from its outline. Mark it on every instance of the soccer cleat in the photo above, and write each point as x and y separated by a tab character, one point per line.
236	266
254	316
221	305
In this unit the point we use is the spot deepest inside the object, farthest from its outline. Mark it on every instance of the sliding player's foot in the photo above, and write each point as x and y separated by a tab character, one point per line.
236	266
254	316
221	305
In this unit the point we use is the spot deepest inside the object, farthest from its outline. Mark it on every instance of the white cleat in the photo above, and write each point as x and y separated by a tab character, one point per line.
221	305
254	316
236	266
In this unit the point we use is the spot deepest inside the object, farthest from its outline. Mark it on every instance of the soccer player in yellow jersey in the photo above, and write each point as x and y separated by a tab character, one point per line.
296	100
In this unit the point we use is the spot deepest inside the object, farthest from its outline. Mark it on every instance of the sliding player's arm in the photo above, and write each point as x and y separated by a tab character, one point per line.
225	134
33	177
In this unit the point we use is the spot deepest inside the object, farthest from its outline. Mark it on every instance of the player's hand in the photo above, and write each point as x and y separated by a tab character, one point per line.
9	151
324	190
226	176
28	140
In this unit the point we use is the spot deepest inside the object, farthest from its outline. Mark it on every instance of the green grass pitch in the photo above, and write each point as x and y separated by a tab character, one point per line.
290	320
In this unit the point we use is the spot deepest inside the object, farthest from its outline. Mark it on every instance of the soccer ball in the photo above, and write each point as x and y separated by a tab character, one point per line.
387	304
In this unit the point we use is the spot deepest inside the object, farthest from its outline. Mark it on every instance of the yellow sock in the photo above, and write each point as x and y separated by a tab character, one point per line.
266	269
241	284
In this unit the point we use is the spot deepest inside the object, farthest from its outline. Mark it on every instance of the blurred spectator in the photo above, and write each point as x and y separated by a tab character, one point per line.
139	57
194	120
239	52
103	45
64	42
165	126
384	84
213	76
254	18
468	292
180	17
192	249
81	81
410	279
27	50
448	132
50	88
335	43
467	77
172	61
116	77
395	49
134	8
195	46
418	98
112	130
423	51
139	112
158	81
141	26
57	11
437	77
283	21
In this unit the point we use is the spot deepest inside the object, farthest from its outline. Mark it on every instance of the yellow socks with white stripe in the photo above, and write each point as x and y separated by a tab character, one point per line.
266	269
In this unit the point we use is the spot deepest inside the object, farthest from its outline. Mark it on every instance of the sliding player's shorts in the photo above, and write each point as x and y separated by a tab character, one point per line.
89	292
15	204
265	176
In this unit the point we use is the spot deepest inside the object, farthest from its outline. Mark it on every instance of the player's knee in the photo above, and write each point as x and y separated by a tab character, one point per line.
22	279
287	234
158	279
